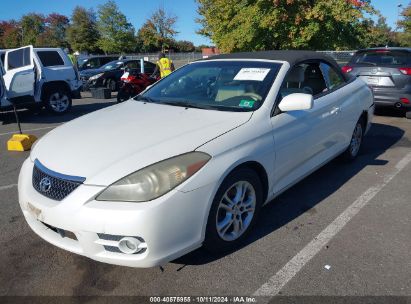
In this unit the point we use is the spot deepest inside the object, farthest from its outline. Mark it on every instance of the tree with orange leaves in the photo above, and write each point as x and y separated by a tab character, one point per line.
285	24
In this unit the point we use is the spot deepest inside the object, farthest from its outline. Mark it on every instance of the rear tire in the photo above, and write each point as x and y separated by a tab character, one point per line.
356	140
234	211
58	100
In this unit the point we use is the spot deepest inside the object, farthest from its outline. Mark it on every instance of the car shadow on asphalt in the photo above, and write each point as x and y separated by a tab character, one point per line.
392	112
44	117
314	189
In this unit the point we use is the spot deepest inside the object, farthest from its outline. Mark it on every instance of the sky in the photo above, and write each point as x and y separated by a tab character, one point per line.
137	11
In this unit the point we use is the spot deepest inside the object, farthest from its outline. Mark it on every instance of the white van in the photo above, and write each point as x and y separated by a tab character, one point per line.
39	76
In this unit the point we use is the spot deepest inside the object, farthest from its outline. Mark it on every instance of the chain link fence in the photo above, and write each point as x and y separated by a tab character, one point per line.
180	59
342	57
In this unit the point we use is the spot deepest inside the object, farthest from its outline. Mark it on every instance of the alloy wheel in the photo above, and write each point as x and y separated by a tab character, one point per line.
236	211
356	140
59	102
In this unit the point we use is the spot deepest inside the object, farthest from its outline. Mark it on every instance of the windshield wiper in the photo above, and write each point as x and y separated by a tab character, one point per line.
145	98
188	105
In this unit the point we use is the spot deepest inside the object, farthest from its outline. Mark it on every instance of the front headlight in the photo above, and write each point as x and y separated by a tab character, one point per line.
96	76
155	180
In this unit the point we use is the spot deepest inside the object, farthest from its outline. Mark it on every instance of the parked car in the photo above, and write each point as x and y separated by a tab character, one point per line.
53	80
388	72
192	159
109	74
20	88
94	62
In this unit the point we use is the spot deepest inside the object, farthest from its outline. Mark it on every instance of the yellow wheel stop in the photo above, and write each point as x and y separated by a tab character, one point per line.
21	142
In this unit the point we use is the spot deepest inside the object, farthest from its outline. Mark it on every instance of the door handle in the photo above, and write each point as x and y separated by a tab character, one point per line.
335	110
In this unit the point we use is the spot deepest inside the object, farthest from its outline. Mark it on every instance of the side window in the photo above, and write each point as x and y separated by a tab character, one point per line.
94	63
332	78
50	58
18	58
149	67
304	78
104	60
133	64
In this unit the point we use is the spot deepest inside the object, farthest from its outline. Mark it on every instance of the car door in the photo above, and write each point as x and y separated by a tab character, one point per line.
3	99
345	103
303	139
19	74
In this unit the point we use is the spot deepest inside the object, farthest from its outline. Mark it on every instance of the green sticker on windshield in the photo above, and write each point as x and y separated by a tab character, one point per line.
246	103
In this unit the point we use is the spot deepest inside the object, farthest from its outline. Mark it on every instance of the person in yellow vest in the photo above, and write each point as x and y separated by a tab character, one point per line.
164	66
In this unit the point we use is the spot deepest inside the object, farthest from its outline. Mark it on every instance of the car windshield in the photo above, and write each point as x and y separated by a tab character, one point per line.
383	58
82	62
112	65
217	85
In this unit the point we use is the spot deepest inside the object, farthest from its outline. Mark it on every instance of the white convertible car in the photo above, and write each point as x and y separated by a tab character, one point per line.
191	160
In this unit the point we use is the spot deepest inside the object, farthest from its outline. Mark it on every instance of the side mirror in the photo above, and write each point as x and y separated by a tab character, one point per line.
296	102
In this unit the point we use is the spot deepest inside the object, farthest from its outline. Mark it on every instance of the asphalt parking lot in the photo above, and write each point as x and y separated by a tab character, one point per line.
343	231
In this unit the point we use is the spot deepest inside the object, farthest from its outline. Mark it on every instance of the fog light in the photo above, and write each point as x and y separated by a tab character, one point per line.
129	245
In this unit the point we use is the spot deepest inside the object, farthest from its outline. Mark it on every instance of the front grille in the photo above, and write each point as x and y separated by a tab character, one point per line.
51	186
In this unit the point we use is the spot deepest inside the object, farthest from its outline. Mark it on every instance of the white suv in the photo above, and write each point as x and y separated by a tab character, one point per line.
45	77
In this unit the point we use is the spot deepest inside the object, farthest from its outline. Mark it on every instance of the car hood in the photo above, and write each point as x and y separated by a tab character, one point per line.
111	143
91	72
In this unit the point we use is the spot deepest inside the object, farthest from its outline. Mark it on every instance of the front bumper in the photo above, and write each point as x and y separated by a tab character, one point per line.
391	97
370	117
170	226
95	83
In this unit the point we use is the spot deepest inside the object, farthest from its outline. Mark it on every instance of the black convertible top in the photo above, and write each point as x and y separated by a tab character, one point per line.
292	57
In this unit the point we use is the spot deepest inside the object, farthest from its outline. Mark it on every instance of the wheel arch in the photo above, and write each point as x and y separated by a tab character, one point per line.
48	86
248	164
364	119
261	172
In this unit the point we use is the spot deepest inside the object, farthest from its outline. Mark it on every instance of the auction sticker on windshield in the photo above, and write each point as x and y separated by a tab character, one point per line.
257	74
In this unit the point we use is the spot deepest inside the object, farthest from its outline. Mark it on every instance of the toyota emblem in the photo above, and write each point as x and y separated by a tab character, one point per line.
45	184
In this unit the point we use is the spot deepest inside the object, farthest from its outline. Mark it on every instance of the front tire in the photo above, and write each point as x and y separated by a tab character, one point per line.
234	211
356	140
58	100
112	85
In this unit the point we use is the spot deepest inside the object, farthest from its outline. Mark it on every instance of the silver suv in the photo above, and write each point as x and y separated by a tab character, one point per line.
49	77
388	72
